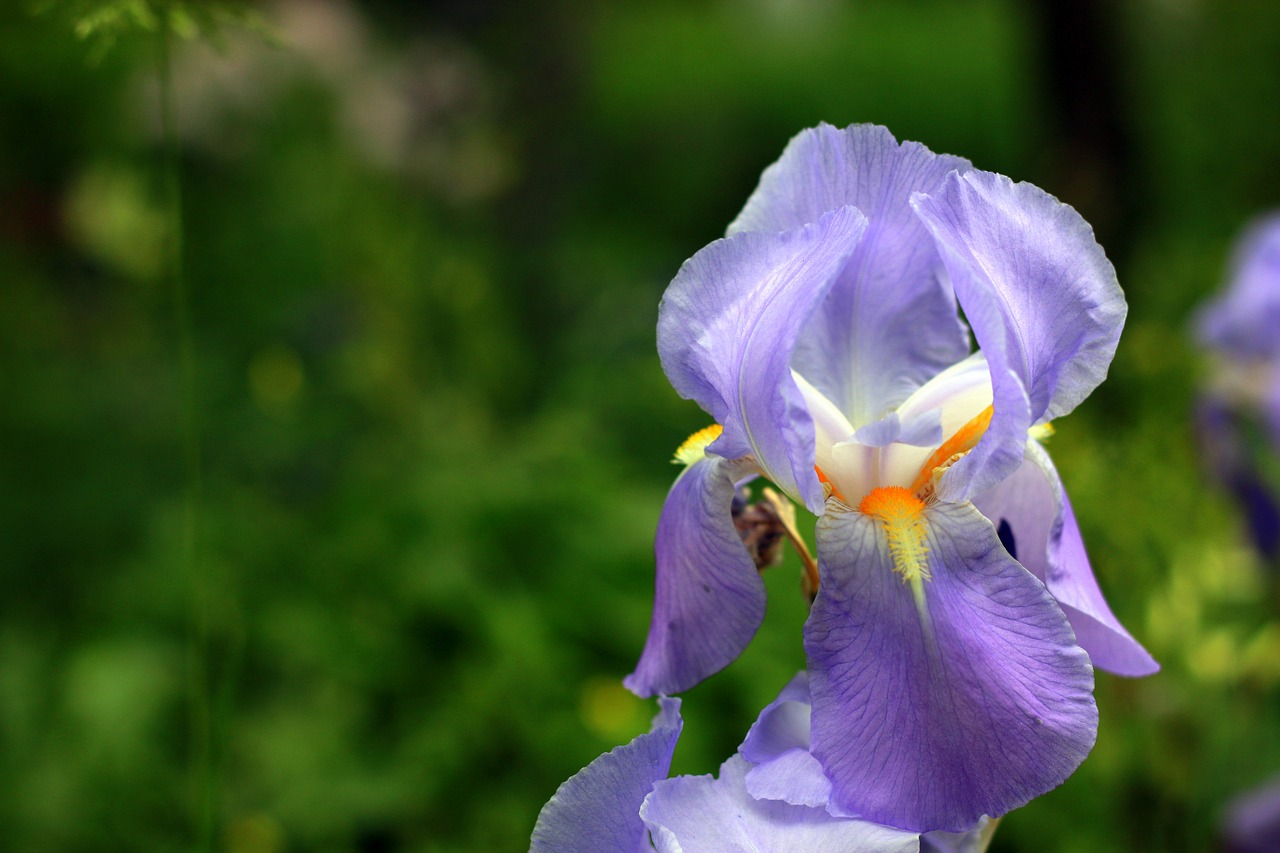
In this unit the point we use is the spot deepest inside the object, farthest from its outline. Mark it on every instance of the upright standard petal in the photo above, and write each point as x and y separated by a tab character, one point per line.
1042	300
700	814
889	323
930	711
1042	526
726	329
709	599
598	808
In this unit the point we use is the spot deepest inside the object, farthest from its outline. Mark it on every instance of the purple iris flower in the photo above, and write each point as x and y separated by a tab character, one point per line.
950	641
1251	823
1242	322
765	799
1242	329
1229	455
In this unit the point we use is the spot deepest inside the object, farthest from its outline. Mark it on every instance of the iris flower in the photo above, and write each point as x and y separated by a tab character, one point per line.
957	621
1243	388
1242	322
766	799
1251	822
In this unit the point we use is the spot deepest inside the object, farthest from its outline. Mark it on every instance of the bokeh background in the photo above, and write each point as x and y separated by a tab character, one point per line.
384	601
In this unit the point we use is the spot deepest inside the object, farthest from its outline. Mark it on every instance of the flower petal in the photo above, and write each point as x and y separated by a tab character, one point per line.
1042	300
1062	307
794	776
1097	630
1226	457
922	431
699	814
782	725
1033	503
975	840
709	599
954	397
726	329
1251	823
889	323
1243	321
778	748
930	716
598	808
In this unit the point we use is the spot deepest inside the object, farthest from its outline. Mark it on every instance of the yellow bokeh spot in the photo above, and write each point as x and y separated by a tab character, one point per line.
1215	658
275	378
609	710
255	833
1261	656
110	214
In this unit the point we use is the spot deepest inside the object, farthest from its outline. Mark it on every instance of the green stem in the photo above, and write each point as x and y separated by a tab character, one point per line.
204	769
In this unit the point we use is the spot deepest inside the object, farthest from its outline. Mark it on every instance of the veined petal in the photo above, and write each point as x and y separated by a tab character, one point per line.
929	714
598	808
1062	308
1042	300
889	323
726	329
1034	504
700	814
709	599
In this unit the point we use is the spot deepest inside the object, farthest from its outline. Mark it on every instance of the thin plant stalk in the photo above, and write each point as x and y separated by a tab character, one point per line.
203	767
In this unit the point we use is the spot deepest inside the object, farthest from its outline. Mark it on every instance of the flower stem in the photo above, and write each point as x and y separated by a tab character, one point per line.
204	776
787	513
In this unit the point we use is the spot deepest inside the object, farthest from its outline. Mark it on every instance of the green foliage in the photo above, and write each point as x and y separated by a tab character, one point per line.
104	23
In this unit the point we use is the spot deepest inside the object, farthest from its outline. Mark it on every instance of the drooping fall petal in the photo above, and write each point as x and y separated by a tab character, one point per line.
598	808
709	599
930	712
1042	523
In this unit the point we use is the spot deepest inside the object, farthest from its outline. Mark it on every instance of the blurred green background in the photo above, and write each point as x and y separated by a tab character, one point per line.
424	247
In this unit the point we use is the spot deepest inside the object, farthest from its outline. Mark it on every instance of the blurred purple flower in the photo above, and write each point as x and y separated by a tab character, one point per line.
1229	456
1252	821
947	642
1242	328
1242	322
761	801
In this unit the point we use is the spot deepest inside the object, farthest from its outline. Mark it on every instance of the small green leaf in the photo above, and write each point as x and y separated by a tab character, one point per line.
104	22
